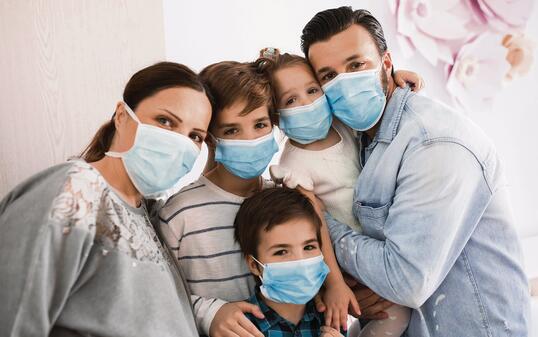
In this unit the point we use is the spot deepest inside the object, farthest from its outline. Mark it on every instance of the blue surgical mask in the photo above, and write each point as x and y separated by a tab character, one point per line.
307	123
293	281
357	99
246	159
157	159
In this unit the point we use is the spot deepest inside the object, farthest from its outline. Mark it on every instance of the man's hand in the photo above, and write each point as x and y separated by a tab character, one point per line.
230	321
372	306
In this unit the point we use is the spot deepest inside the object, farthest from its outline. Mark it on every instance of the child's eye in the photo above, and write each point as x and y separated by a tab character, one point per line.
231	131
328	76
196	137
291	100
354	66
164	121
260	125
280	252
313	90
310	247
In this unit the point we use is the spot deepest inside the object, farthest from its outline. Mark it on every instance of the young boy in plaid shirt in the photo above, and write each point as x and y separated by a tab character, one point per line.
278	231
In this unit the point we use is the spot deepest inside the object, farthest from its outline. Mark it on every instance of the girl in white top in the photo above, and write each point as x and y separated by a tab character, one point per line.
321	153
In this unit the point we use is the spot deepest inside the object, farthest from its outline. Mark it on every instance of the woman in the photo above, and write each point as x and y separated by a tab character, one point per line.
77	253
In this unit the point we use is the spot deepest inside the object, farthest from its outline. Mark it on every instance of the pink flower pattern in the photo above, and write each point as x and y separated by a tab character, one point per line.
479	42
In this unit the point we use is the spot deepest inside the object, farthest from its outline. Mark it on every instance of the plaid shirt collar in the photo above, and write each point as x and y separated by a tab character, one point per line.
273	320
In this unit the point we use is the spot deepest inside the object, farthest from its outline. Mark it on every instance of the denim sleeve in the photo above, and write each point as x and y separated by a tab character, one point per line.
440	196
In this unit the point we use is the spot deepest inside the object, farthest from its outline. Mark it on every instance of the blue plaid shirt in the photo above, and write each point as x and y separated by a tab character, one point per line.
275	326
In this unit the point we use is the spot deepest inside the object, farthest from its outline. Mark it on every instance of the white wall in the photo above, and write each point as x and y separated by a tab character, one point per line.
63	66
202	32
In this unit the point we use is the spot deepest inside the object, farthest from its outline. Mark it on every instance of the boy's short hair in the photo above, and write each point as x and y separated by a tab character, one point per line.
267	209
230	82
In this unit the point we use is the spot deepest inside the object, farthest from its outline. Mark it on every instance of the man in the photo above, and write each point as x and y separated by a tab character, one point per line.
438	235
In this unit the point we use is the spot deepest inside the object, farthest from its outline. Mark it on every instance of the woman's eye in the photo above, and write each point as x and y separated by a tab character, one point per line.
260	125
196	137
290	101
164	121
280	252
313	90
230	132
310	247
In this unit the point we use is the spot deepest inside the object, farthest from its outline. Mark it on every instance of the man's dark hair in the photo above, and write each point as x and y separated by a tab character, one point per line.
267	209
330	22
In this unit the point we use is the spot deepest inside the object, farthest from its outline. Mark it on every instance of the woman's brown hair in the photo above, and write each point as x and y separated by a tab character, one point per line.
143	84
269	62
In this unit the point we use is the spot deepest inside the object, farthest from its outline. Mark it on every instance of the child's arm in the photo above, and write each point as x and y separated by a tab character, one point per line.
404	77
230	321
338	297
214	317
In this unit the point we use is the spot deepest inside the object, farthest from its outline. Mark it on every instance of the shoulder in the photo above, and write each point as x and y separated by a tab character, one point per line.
64	196
426	121
80	196
195	196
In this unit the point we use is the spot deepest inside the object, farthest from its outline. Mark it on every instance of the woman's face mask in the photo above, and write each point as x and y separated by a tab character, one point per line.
157	159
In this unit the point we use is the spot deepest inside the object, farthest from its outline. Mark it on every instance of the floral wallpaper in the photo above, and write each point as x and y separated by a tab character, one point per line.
480	43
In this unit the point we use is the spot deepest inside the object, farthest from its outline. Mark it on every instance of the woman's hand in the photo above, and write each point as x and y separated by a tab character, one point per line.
230	321
403	77
338	299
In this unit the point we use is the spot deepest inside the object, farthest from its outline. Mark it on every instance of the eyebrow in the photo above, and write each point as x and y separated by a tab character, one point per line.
350	58
285	93
181	121
229	125
262	119
171	113
283	245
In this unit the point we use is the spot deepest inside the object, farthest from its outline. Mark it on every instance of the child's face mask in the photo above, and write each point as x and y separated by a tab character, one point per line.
246	158
308	123
294	282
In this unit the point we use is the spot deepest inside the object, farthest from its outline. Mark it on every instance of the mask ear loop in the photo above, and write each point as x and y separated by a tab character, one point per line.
131	113
261	264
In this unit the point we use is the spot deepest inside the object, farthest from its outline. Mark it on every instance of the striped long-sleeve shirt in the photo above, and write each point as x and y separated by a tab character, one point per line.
197	223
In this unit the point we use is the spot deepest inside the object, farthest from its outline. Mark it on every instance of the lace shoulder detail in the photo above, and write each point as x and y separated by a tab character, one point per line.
86	201
79	199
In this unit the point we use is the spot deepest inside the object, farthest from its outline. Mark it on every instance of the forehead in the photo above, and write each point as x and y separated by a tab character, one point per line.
292	232
293	76
192	106
355	40
233	113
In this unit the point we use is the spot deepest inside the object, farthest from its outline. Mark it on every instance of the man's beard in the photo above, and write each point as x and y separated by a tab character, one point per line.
384	80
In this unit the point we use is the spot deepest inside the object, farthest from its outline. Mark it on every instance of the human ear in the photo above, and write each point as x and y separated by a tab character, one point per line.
386	61
253	266
119	115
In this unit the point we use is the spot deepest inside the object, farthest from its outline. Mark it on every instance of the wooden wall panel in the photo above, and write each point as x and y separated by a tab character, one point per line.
63	66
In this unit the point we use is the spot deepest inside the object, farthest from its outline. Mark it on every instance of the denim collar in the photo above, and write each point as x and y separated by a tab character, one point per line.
392	115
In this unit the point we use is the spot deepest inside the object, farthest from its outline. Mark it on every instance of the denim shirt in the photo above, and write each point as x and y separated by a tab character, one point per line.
438	233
